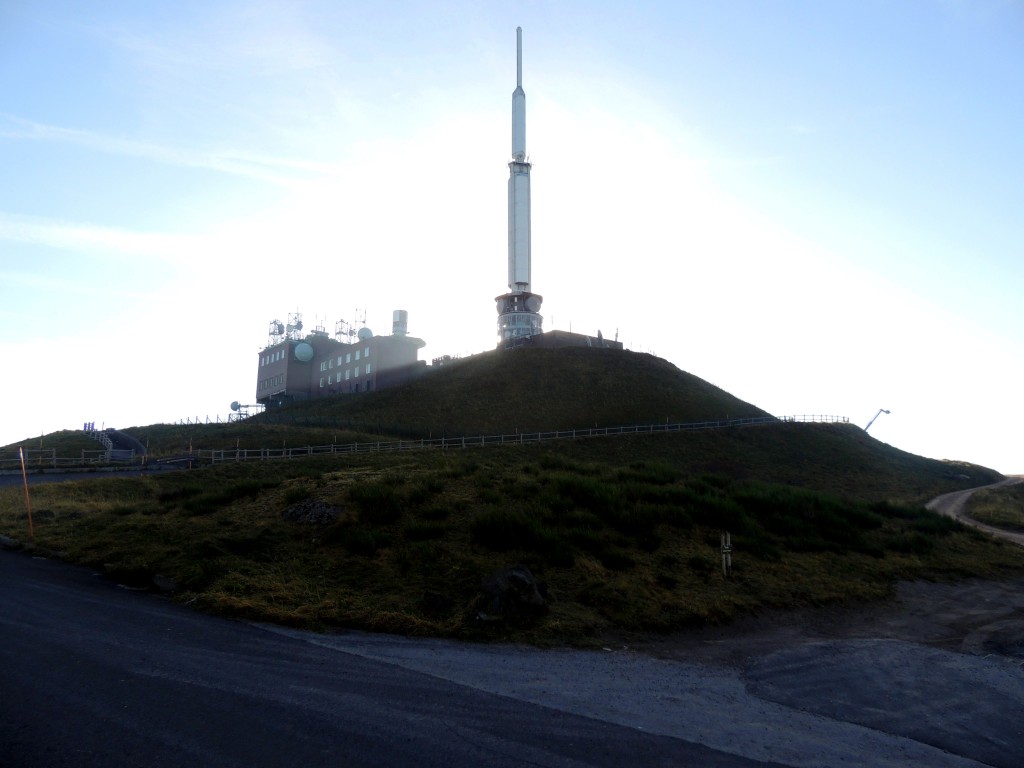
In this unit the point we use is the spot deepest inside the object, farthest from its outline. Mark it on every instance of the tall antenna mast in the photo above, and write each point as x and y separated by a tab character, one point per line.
519	309
519	105
519	57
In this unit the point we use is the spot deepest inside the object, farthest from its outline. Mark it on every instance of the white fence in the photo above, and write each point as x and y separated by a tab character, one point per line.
458	442
47	458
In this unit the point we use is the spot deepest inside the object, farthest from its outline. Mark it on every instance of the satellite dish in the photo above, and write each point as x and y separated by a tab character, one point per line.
533	303
234	405
365	334
303	352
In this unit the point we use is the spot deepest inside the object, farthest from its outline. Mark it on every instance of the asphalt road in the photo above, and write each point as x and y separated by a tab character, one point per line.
93	675
13	477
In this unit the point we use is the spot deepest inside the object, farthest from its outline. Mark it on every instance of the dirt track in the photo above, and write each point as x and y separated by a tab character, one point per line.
955	505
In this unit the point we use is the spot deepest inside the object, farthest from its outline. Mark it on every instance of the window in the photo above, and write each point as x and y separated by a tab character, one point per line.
357	354
339	361
367	369
321	382
330	363
347	372
357	371
348	357
366	352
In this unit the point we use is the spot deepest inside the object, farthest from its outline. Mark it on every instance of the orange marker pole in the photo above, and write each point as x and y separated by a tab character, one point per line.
28	502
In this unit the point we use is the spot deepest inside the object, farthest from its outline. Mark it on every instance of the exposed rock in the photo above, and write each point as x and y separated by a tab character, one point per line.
165	584
512	593
312	512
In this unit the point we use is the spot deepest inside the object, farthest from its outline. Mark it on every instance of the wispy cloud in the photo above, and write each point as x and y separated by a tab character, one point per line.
49	283
276	170
89	238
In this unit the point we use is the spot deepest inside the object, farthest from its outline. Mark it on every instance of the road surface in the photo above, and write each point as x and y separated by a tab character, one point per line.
92	675
955	505
95	675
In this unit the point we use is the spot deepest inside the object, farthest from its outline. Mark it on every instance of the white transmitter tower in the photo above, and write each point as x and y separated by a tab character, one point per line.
518	310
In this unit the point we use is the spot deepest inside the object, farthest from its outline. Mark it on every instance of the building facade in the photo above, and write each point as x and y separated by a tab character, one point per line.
293	368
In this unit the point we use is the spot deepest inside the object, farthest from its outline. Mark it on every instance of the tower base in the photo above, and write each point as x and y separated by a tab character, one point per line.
518	317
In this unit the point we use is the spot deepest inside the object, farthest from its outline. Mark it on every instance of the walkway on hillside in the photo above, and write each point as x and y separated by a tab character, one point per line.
955	505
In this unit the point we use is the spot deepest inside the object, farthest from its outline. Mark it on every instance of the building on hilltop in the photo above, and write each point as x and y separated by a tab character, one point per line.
561	339
294	367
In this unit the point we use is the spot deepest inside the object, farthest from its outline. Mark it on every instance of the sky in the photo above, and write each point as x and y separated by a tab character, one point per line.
814	206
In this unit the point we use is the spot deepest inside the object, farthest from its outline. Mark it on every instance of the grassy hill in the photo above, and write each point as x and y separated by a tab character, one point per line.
530	390
625	531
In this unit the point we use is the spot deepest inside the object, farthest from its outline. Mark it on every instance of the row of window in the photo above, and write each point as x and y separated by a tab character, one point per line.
327	365
273	357
273	381
349	373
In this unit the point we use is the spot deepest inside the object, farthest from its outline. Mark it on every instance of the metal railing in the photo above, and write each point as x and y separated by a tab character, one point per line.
40	458
520	438
816	419
49	458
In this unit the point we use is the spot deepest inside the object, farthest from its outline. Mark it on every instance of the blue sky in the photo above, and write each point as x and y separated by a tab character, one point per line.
812	205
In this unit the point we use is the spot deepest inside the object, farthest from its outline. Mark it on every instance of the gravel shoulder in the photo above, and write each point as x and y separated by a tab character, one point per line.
932	677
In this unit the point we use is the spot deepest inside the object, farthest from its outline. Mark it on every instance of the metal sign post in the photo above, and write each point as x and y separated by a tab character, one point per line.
726	554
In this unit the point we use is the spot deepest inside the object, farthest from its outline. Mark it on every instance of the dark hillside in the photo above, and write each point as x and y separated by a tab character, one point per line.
839	459
532	390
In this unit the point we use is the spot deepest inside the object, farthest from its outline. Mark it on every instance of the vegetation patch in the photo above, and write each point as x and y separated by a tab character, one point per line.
1001	507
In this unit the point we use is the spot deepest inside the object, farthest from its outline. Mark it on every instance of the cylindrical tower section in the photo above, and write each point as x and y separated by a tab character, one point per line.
519	104
519	227
519	125
399	323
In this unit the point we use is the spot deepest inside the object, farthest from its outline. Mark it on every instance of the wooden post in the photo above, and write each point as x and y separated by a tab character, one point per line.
726	554
28	501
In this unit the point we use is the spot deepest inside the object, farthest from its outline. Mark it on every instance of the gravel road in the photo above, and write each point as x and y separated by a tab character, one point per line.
955	505
771	691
